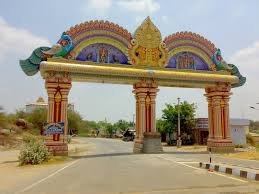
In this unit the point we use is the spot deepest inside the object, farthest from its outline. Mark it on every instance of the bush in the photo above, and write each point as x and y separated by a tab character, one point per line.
34	151
27	138
250	140
69	139
239	146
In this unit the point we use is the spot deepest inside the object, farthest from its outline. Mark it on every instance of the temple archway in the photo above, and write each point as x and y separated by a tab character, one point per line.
104	52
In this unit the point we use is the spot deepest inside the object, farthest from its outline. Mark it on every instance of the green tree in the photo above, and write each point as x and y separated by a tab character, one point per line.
254	126
160	125
110	129
2	120
38	117
74	120
21	114
122	125
170	117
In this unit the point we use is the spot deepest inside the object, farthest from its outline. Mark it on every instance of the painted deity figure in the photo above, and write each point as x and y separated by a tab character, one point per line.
185	62
89	57
103	55
115	59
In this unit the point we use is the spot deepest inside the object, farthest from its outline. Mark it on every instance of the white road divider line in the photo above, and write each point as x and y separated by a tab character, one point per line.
187	162
197	168
49	176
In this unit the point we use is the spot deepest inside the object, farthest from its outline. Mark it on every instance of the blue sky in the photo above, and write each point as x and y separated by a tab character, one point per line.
231	25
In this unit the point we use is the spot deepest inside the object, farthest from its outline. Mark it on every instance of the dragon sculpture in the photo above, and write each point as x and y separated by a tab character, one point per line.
31	65
221	65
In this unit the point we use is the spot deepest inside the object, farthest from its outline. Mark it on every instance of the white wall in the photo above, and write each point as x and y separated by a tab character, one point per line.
238	134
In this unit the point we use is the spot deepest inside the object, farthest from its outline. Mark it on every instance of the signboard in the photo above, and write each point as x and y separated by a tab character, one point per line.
54	128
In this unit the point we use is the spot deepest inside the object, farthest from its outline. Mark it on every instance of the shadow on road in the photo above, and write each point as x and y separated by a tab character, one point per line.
183	153
103	155
10	161
129	153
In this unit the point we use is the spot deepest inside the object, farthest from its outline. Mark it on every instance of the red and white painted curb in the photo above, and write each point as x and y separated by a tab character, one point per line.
236	171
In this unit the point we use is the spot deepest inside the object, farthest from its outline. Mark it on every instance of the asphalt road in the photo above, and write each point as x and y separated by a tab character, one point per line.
112	168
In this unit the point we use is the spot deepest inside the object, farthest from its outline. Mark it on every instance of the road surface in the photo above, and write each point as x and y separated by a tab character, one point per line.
112	168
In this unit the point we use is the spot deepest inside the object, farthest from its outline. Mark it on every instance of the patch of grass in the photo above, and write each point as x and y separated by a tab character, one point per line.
239	146
57	160
75	151
244	155
83	134
250	139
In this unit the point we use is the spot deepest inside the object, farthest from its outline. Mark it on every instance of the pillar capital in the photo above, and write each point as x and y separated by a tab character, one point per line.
145	84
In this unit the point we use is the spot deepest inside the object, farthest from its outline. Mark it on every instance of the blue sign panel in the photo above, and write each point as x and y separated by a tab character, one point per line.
54	128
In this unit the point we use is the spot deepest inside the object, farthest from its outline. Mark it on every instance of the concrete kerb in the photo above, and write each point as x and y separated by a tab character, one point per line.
233	170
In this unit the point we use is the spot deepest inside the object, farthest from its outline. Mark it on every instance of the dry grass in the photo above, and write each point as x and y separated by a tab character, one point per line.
244	155
8	142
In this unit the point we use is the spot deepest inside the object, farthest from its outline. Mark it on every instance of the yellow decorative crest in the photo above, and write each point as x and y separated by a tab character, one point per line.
147	48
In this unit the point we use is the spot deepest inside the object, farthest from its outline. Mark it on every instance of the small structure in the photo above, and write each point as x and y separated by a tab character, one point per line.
238	127
201	131
41	104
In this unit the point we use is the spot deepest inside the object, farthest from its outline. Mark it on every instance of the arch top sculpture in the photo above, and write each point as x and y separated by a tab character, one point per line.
101	51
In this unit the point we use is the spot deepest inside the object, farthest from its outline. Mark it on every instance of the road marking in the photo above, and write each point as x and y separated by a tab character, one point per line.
187	162
49	176
197	168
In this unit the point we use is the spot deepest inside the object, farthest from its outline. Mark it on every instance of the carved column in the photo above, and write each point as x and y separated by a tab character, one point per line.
58	87
210	118
226	117
218	116
51	94
153	94
145	93
142	112
217	124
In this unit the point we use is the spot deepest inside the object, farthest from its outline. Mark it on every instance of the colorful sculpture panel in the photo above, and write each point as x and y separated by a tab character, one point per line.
102	53
188	61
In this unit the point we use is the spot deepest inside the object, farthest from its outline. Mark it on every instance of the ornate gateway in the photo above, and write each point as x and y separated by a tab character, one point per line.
101	51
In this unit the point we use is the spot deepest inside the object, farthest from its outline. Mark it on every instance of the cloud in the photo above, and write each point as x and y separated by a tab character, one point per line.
247	60
248	57
16	87
17	42
147	6
100	7
164	18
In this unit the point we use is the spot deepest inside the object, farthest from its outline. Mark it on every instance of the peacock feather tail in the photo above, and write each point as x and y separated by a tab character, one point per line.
31	65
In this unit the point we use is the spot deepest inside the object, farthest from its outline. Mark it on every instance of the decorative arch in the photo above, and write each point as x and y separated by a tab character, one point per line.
97	32
190	43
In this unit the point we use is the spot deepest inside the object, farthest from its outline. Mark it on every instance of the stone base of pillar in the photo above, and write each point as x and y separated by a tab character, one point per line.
152	143
138	146
220	146
57	148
